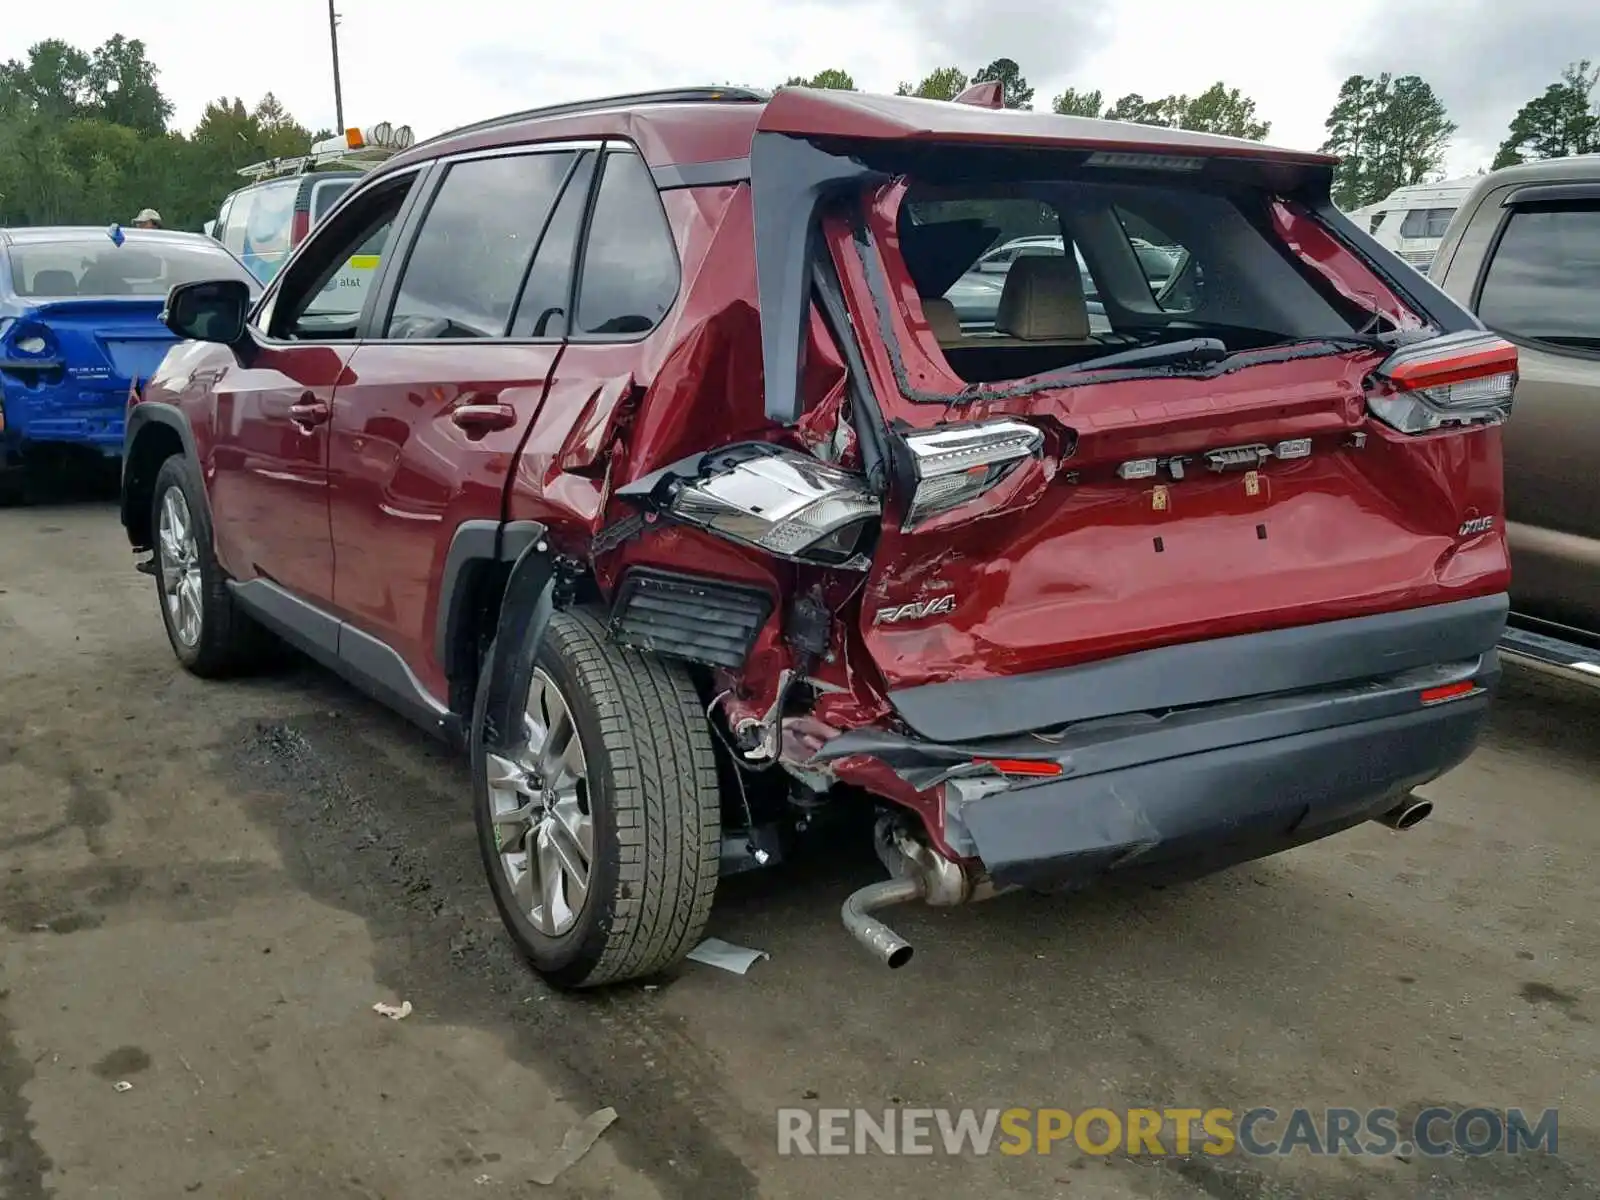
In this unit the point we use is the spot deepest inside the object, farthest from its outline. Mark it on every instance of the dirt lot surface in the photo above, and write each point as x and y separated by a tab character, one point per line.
206	888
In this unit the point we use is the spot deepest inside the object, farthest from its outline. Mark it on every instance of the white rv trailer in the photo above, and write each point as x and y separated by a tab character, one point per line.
1412	220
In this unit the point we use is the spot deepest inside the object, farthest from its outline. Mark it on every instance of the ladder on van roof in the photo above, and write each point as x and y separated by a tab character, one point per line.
354	149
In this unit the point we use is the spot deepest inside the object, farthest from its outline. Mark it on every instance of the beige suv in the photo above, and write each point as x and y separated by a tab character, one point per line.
1523	252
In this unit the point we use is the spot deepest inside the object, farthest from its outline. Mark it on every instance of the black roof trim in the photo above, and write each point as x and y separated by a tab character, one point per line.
702	174
1553	193
688	95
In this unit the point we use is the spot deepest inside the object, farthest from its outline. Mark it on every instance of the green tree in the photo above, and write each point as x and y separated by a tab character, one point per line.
1388	132
1073	103
1014	89
831	79
1219	109
1134	107
122	87
945	83
52	83
1561	122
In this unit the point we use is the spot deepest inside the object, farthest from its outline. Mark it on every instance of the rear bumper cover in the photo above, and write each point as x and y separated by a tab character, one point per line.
1197	789
1206	811
71	413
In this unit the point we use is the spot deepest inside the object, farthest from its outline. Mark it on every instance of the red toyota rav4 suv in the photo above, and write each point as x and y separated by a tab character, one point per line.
656	468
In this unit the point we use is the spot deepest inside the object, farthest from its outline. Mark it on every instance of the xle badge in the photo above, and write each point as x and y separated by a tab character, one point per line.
939	606
1475	525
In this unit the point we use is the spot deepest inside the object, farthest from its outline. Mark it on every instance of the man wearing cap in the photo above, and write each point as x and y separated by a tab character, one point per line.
148	218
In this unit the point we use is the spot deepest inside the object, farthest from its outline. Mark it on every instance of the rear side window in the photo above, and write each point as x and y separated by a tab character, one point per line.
542	311
466	266
630	264
1377	220
1426	222
1160	256
1541	282
325	194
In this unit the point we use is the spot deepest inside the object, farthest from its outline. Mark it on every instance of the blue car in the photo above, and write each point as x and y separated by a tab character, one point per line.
80	326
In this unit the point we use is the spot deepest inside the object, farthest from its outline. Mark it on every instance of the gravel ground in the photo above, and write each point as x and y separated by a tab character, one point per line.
207	886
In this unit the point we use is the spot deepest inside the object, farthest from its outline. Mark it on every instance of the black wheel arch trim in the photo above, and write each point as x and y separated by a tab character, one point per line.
473	545
142	415
525	612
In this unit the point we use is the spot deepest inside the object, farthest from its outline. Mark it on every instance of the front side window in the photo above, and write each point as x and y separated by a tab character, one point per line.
97	266
1540	284
230	230
466	266
321	296
630	264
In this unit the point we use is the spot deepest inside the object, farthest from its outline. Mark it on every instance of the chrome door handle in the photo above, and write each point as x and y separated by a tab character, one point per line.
484	418
309	412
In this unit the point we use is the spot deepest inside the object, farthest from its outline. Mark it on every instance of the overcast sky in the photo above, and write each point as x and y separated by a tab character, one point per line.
441	64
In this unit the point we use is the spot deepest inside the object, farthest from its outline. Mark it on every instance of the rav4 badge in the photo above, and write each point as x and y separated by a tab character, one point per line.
937	607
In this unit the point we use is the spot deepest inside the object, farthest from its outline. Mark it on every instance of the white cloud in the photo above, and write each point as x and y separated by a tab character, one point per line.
451	61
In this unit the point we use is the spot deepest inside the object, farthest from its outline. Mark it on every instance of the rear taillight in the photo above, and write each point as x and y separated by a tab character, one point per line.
299	228
1460	379
780	501
958	463
28	339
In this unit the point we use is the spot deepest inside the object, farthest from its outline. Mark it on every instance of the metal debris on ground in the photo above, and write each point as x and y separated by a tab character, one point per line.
394	1013
577	1142
715	952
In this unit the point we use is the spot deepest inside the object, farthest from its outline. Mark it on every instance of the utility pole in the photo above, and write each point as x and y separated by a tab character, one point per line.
333	36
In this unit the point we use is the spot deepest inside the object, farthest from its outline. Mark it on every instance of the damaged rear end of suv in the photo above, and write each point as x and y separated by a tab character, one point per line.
1213	570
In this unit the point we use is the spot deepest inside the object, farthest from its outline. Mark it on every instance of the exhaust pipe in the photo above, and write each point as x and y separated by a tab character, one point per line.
1411	811
886	945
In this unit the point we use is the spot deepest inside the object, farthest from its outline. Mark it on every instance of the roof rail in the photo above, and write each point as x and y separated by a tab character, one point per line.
688	95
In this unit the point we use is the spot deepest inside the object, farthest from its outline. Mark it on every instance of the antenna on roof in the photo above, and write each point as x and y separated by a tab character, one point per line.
990	93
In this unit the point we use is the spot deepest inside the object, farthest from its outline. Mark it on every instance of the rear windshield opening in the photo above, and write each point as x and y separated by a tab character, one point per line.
1023	278
97	266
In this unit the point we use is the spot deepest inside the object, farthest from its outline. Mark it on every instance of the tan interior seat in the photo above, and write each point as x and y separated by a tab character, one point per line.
1042	301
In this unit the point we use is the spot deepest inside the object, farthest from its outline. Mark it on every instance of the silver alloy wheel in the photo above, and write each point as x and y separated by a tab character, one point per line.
543	828
180	567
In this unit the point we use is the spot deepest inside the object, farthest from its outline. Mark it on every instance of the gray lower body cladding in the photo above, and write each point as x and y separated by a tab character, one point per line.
1182	791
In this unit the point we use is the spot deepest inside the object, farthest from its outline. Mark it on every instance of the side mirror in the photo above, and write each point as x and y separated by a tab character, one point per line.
211	310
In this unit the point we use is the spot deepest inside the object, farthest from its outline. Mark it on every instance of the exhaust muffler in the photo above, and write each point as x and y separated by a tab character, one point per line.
1410	812
887	946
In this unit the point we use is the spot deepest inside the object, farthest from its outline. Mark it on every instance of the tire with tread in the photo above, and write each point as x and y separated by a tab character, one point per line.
654	802
230	642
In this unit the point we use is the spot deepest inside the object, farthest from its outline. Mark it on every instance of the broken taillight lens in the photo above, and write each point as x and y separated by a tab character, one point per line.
780	501
1464	378
958	463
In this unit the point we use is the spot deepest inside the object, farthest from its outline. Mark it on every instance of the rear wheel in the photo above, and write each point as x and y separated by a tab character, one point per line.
601	829
208	633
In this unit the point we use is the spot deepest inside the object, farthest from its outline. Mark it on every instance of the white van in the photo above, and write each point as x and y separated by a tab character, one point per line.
1412	220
